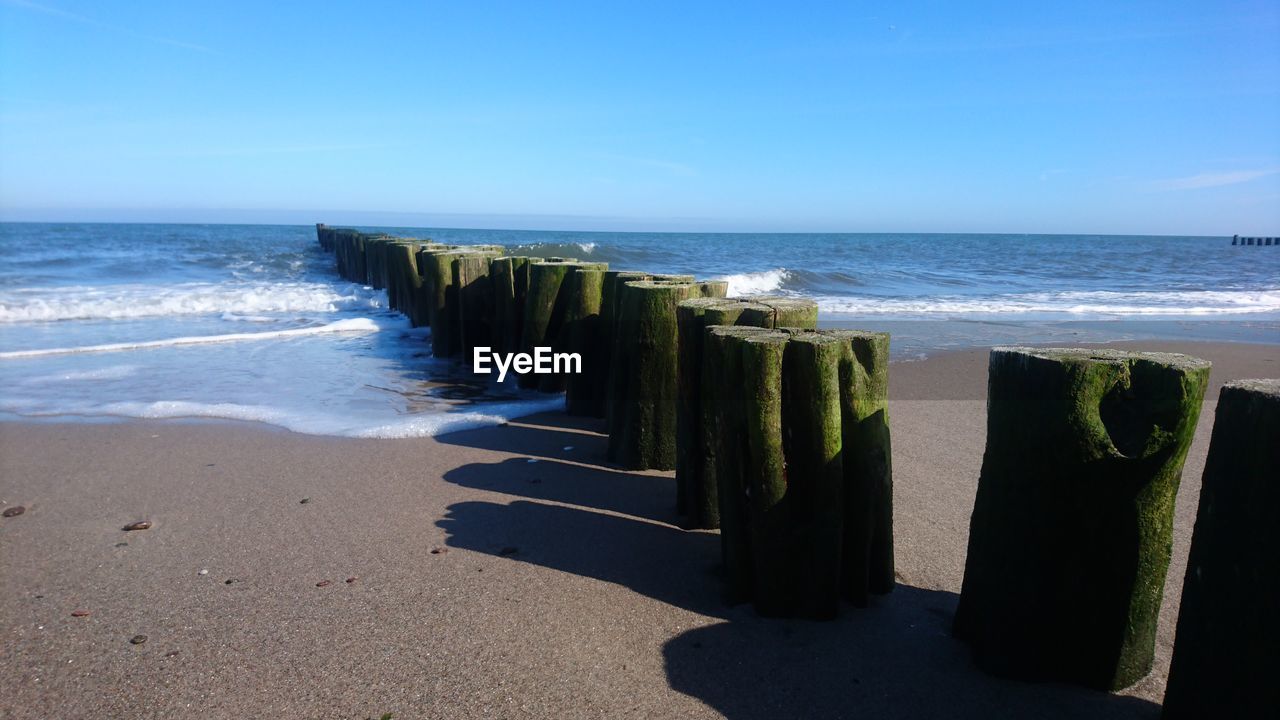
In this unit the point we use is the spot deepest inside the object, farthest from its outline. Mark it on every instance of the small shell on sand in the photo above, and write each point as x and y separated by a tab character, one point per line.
79	613
140	525
323	583
14	511
137	639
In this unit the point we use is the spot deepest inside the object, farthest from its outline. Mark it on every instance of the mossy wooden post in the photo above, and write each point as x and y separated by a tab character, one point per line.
510	278
585	391
404	283
547	310
1071	528
642	404
607	337
436	267
578	300
373	261
442	287
475	302
695	486
724	396
811	444
769	510
695	476
1226	654
867	566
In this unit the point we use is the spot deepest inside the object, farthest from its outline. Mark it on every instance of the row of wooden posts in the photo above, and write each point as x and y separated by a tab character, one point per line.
779	436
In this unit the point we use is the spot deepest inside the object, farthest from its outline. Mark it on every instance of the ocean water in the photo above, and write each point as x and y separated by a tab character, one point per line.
249	322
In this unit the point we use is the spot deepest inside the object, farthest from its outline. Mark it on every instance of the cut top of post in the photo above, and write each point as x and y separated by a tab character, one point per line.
1104	355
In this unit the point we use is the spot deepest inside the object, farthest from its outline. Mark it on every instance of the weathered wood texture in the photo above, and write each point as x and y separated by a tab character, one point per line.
695	480
642	403
1226	658
1071	528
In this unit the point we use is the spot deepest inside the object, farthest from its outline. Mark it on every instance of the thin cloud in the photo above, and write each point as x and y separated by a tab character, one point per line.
278	150
84	20
1213	179
675	168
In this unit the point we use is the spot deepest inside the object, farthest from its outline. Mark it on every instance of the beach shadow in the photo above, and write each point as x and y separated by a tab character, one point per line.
543	435
651	497
895	659
671	565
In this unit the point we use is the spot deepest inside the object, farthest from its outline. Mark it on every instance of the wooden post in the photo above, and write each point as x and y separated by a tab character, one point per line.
607	337
867	566
475	302
510	278
1072	525
642	404
1225	659
585	391
695	481
442	295
547	312
724	415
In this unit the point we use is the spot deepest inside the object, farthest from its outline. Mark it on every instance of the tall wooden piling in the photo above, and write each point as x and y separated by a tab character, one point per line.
798	444
547	310
585	390
867	564
1226	656
442	294
510	277
642	403
475	302
1071	528
695	480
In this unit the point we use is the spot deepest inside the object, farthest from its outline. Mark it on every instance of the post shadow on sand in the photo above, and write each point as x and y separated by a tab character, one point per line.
651	497
896	659
543	435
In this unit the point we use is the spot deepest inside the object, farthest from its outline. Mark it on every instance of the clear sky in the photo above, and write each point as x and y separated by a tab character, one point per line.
1105	117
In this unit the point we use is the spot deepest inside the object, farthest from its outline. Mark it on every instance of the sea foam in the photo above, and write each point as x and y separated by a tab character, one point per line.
110	302
756	283
1070	303
353	325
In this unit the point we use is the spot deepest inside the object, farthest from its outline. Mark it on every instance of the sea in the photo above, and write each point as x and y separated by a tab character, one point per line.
107	322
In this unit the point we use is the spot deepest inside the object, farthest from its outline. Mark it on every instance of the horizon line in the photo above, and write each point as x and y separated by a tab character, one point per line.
545	222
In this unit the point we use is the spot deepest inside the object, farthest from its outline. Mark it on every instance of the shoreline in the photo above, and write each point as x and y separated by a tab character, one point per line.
566	587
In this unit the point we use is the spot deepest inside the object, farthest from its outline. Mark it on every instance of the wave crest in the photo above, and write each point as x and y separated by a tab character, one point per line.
140	301
756	283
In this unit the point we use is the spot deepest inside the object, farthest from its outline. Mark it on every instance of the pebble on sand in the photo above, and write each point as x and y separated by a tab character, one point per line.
138	639
323	583
304	501
14	511
351	580
140	525
79	613
203	571
439	551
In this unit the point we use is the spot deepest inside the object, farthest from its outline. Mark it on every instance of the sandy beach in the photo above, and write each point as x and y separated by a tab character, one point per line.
502	572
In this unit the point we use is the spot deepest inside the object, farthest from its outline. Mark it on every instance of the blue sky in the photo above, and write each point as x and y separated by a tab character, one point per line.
914	117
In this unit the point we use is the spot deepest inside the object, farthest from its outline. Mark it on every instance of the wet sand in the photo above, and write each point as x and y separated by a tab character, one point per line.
483	584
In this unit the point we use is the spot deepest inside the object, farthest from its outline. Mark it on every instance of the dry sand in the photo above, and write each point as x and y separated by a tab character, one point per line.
567	588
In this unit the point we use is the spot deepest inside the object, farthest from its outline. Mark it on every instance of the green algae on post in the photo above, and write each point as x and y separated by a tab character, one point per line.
510	277
1225	660
642	403
1071	530
550	308
695	489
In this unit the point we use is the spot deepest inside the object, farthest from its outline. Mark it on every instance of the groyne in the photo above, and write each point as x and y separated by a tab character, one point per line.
779	436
